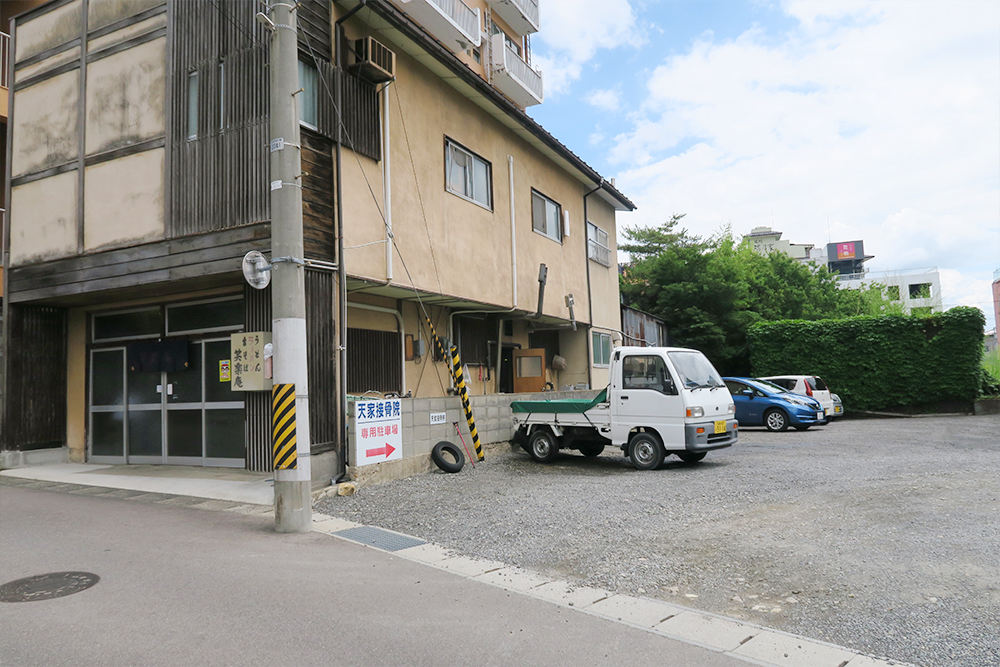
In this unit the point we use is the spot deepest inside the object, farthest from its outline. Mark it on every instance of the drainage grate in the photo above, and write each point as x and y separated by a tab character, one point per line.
47	586
378	538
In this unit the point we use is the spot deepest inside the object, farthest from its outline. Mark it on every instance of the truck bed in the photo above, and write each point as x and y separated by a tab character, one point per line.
560	406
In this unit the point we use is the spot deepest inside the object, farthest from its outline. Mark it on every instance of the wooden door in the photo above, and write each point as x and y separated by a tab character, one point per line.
529	370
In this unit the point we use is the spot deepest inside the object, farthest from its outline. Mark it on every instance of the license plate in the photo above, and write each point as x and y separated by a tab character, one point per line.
720	427
819	415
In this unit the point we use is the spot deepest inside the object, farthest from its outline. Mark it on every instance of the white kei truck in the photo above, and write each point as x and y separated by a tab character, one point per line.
661	401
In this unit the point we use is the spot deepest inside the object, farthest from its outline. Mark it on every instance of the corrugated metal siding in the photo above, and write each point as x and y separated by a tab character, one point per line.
219	179
35	411
643	329
321	350
257	314
374	361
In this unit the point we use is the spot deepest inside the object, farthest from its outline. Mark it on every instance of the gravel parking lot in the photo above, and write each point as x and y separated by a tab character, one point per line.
881	535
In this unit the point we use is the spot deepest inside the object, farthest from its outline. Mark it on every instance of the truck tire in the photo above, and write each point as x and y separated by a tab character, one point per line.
592	450
442	455
542	446
690	457
646	451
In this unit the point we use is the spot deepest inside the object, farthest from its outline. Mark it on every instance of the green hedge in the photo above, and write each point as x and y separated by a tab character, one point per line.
874	363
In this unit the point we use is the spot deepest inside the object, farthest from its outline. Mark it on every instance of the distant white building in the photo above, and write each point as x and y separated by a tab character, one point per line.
918	290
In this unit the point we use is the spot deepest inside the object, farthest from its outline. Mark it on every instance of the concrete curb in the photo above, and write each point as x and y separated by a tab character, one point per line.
751	643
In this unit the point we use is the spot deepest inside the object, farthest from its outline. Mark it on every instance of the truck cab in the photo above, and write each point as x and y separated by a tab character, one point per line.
673	393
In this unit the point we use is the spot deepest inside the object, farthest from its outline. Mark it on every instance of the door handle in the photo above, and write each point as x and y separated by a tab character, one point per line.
624	398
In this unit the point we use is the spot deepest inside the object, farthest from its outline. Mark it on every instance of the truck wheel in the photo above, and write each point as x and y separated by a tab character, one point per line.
775	420
591	450
646	451
542	446
690	457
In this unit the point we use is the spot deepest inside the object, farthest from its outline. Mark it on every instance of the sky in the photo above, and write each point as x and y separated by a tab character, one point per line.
828	121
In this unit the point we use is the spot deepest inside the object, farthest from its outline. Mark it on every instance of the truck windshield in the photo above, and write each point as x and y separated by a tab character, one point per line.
695	370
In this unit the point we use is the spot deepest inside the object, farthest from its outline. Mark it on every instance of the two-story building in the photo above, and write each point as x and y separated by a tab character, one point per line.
138	178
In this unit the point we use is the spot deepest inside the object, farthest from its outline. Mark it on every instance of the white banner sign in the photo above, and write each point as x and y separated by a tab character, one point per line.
378	431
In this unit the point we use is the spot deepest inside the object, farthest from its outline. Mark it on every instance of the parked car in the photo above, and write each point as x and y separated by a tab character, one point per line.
807	385
838	406
773	406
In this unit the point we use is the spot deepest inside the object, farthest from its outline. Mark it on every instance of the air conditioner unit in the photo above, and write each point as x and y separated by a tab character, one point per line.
373	61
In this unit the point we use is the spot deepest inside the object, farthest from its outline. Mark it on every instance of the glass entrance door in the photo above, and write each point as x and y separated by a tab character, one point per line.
187	417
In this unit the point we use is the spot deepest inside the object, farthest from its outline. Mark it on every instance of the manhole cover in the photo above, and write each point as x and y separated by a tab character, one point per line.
47	586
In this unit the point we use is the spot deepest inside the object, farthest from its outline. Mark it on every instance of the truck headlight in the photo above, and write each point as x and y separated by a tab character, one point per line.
695	412
731	409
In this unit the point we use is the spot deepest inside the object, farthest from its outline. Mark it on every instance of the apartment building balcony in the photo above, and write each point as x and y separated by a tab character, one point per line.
520	15
452	22
513	77
4	74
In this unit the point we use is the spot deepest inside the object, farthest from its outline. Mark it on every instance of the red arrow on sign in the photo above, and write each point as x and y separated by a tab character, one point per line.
381	451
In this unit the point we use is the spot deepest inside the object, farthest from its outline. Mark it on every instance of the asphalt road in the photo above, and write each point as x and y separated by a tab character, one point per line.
880	535
183	586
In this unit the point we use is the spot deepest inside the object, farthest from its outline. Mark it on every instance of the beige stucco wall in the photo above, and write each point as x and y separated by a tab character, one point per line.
46	124
105	12
49	227
123	200
125	97
76	384
48	30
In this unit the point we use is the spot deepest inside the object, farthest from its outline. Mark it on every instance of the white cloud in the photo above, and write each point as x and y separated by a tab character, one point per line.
573	31
870	120
605	100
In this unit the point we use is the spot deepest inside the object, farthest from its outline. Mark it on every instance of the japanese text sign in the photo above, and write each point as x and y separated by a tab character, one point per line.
378	431
246	367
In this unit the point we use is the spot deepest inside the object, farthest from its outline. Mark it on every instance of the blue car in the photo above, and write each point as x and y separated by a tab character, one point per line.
758	402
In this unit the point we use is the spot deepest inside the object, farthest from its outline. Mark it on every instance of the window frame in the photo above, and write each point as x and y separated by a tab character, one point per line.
595	348
597	243
193	98
302	98
559	216
470	179
919	294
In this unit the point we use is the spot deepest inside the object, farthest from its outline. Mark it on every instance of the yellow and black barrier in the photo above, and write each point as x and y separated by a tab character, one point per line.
283	422
456	373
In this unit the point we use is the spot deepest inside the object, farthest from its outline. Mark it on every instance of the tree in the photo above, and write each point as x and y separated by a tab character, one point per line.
710	291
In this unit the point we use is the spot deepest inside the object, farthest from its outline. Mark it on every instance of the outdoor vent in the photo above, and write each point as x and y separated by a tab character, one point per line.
373	61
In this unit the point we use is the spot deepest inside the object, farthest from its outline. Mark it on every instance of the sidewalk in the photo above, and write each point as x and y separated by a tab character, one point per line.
573	619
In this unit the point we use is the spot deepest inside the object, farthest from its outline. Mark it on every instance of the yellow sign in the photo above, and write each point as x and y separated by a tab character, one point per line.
283	424
224	375
247	362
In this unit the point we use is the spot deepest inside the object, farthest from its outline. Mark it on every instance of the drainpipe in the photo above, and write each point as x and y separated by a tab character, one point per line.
590	297
387	184
402	335
513	234
341	268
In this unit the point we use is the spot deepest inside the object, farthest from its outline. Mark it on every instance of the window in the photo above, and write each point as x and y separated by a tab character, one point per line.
222	96
892	292
602	348
309	97
647	372
128	324
545	215
514	46
920	291
597	245
468	175
216	315
477	55
192	105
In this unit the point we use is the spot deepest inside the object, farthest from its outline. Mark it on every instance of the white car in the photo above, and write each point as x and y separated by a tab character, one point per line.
808	385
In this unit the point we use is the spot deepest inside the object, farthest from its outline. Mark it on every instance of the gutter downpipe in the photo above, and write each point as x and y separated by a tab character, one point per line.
513	235
590	300
341	268
387	185
402	336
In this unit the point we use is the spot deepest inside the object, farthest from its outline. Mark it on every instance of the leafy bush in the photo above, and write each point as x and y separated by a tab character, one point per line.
879	362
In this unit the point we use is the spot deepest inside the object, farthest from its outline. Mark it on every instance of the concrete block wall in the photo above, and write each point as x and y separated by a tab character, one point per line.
493	423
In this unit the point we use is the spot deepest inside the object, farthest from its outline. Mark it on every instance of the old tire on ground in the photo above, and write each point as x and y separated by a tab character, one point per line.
442	455
646	451
592	449
776	420
542	446
691	457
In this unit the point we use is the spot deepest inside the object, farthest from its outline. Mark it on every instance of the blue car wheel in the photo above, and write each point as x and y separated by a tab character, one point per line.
776	420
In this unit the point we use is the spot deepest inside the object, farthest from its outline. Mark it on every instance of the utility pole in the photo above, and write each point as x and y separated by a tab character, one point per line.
292	486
